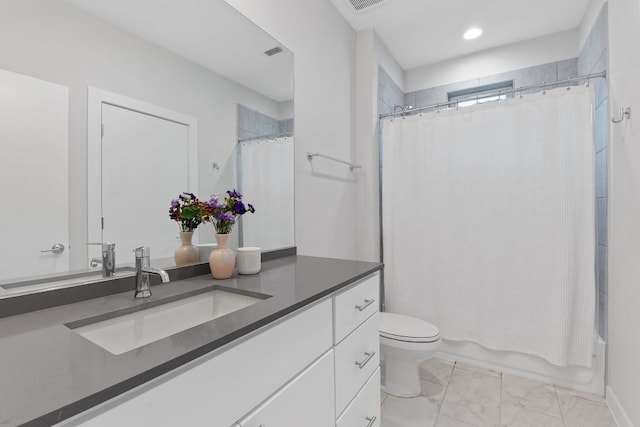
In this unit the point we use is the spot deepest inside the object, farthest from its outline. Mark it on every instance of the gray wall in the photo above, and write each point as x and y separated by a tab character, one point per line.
594	59
389	94
524	77
254	124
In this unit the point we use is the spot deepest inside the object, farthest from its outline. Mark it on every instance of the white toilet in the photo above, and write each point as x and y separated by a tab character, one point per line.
404	342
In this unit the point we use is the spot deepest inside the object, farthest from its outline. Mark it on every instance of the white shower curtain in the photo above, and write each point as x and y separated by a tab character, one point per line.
267	182
488	219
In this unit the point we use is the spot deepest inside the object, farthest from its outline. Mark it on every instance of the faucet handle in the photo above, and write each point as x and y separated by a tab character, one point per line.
142	252
106	246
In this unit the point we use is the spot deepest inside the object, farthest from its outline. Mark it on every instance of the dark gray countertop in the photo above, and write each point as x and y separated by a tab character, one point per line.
49	373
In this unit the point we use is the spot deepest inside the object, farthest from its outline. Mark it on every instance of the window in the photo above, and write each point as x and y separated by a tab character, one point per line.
480	94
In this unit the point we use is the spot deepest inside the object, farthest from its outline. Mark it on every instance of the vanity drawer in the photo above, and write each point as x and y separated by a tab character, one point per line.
357	357
364	410
353	306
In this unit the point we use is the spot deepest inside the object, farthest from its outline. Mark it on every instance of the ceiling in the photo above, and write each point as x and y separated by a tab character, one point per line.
423	32
210	33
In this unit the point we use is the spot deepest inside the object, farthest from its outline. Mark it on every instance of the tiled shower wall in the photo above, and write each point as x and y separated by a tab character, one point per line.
524	77
389	94
592	59
253	124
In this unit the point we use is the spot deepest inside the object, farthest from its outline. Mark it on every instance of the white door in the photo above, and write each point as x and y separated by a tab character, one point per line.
34	135
145	164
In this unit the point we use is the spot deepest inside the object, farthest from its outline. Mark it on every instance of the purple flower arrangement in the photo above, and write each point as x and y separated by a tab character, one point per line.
187	211
224	213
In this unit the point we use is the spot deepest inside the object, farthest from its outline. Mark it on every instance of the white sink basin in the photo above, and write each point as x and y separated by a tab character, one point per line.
127	332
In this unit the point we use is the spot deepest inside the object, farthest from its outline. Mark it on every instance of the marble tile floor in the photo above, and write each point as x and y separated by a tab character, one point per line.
459	395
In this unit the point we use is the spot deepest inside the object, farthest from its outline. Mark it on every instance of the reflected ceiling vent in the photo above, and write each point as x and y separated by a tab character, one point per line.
276	50
362	5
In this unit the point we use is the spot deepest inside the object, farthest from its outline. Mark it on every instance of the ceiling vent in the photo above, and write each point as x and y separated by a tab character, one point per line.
276	50
361	5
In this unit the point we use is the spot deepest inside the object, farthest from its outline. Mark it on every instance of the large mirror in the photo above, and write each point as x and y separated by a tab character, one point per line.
111	108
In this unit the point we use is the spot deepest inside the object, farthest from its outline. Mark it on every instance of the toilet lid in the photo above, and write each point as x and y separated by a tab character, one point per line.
405	328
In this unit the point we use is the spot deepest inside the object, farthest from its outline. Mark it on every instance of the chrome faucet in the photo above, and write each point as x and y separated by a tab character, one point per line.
108	260
143	269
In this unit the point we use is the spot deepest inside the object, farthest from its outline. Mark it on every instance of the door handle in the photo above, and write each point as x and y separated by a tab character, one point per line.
58	248
371	420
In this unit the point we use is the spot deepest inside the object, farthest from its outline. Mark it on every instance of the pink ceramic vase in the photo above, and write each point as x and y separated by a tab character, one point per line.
222	259
186	253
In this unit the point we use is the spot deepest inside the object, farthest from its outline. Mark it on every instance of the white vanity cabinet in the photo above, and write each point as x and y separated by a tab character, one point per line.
352	376
364	409
306	401
357	350
216	390
353	306
316	367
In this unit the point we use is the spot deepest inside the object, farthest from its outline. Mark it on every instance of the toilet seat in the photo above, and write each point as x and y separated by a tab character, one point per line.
407	329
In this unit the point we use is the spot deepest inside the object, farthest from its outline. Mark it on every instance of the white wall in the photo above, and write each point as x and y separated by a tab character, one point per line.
371	54
285	110
588	20
541	50
624	211
54	41
366	147
324	48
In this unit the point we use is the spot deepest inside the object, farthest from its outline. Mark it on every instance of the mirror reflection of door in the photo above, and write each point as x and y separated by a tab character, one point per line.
34	134
145	164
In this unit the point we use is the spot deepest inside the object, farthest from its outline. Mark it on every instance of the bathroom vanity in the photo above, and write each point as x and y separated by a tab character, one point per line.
305	352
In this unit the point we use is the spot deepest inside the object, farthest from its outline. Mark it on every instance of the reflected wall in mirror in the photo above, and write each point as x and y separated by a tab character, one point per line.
196	59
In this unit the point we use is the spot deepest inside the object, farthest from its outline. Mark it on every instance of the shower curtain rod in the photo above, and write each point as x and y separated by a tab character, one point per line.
602	74
272	136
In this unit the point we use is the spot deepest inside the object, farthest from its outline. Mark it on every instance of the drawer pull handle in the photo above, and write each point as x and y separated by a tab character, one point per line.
371	420
368	356
366	304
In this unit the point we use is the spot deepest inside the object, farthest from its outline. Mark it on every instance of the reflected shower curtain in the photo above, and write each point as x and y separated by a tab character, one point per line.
488	223
266	181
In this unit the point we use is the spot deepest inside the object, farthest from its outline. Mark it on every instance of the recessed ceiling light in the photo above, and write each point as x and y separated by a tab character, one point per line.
472	33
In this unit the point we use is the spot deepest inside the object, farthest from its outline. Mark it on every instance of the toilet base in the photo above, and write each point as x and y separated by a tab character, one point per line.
401	376
401	356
